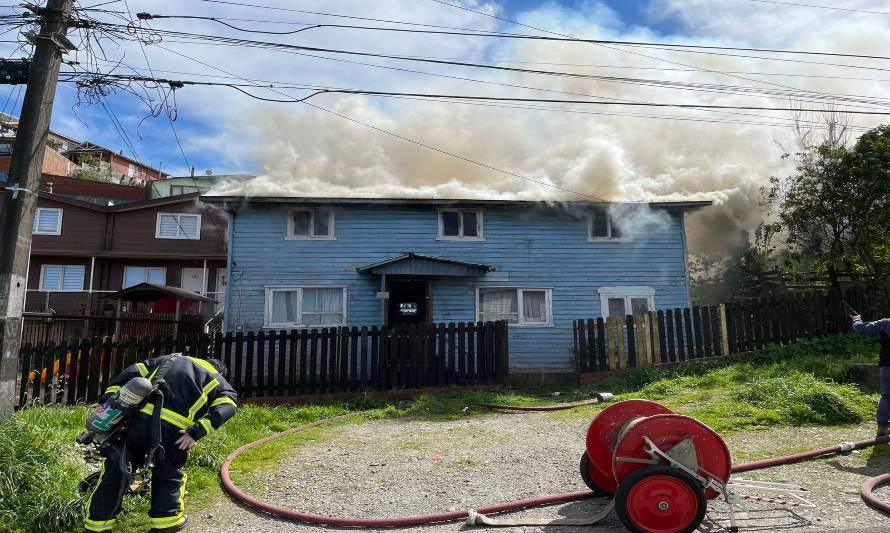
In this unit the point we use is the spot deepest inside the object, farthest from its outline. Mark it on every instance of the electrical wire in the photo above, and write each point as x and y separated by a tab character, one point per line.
793	4
796	93
679	47
457	6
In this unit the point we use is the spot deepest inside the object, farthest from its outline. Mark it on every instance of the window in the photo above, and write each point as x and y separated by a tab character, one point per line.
62	278
305	306
178	226
460	224
620	301
311	224
47	221
523	307
131	171
5	149
176	190
4	175
602	226
137	275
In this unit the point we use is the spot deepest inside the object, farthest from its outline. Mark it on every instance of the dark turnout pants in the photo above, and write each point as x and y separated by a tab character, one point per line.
167	481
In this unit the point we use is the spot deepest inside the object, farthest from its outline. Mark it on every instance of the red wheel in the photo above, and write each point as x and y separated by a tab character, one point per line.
592	477
666	431
660	499
603	433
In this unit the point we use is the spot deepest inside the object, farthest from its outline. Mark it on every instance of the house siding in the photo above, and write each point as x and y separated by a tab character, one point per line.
533	247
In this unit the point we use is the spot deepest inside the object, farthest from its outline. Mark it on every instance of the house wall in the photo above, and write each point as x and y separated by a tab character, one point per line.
65	186
53	163
531	247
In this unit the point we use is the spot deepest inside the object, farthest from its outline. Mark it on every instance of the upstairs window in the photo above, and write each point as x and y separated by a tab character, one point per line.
62	278
131	171
523	307
137	275
178	226
47	221
618	302
601	226
460	224
305	306
311	224
176	190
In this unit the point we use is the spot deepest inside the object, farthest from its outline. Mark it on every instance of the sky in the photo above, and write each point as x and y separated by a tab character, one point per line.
367	145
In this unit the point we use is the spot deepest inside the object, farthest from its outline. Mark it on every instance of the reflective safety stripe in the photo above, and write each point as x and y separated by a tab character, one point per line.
169	416
208	427
167	521
199	403
143	370
98	525
177	519
112	389
203	364
224	399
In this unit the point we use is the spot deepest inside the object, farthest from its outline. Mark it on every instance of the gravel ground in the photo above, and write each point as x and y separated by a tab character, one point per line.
394	468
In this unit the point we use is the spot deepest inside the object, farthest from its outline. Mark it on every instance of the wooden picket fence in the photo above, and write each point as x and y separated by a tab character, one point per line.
281	363
687	334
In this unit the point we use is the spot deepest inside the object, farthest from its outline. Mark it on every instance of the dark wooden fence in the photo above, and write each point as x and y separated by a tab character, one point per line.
677	335
281	363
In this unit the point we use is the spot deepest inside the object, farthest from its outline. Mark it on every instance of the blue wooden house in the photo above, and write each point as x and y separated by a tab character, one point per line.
316	262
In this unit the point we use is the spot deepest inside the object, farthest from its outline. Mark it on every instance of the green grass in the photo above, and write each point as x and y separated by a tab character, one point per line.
810	383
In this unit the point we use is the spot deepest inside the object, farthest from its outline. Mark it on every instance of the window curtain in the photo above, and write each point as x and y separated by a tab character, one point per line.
72	277
322	306
498	304
51	278
189	226
46	221
167	226
284	307
534	306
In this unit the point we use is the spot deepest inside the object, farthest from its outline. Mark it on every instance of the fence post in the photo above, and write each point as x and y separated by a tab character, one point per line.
669	326
631	342
580	345
247	388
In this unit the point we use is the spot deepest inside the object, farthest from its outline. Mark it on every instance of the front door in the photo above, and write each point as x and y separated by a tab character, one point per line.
408	302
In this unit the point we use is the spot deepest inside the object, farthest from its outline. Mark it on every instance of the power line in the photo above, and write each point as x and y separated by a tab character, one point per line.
457	6
679	47
796	94
319	90
833	8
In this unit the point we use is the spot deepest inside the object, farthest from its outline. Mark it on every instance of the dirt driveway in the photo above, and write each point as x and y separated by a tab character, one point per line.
398	467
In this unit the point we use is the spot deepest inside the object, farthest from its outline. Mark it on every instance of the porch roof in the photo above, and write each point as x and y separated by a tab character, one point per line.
147	292
411	264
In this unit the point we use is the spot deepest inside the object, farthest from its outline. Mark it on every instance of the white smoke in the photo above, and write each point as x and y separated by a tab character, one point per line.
597	151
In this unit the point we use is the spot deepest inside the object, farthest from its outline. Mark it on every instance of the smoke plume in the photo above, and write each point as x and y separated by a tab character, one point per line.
613	153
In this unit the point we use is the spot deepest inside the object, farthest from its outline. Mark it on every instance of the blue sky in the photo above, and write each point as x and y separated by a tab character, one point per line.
152	138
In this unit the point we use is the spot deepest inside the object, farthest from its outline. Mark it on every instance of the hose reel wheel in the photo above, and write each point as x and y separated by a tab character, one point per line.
592	477
660	499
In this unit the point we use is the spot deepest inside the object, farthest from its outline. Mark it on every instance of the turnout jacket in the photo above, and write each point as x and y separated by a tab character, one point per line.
878	328
197	398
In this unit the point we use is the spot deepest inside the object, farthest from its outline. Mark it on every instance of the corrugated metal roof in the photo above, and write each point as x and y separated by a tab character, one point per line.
411	264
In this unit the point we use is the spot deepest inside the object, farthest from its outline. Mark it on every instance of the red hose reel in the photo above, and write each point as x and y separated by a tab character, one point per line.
660	467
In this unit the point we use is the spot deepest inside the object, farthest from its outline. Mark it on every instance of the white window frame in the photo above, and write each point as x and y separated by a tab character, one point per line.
627	292
39	210
480	225
267	319
548	302
144	277
331	236
131	170
608	238
61	278
180	234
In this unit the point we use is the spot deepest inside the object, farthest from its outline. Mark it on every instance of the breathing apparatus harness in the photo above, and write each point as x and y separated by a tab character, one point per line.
106	427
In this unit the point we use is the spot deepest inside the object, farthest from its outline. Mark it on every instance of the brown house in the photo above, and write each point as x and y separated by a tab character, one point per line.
83	251
94	158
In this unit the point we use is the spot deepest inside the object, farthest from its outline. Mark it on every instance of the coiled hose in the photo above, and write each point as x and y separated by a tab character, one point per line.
405	521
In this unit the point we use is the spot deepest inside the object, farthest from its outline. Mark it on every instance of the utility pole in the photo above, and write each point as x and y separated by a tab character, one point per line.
18	200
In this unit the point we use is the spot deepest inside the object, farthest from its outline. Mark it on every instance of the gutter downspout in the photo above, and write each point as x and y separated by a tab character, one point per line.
685	259
229	263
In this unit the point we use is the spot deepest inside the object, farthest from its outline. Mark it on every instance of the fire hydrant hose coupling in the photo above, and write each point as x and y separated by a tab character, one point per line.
847	447
471	517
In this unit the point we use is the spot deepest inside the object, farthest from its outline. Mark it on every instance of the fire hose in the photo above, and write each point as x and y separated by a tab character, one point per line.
405	521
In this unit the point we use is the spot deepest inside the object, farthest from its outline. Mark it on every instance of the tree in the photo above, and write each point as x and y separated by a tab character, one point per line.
834	208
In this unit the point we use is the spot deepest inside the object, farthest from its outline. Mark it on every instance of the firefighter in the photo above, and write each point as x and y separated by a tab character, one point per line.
881	329
197	400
